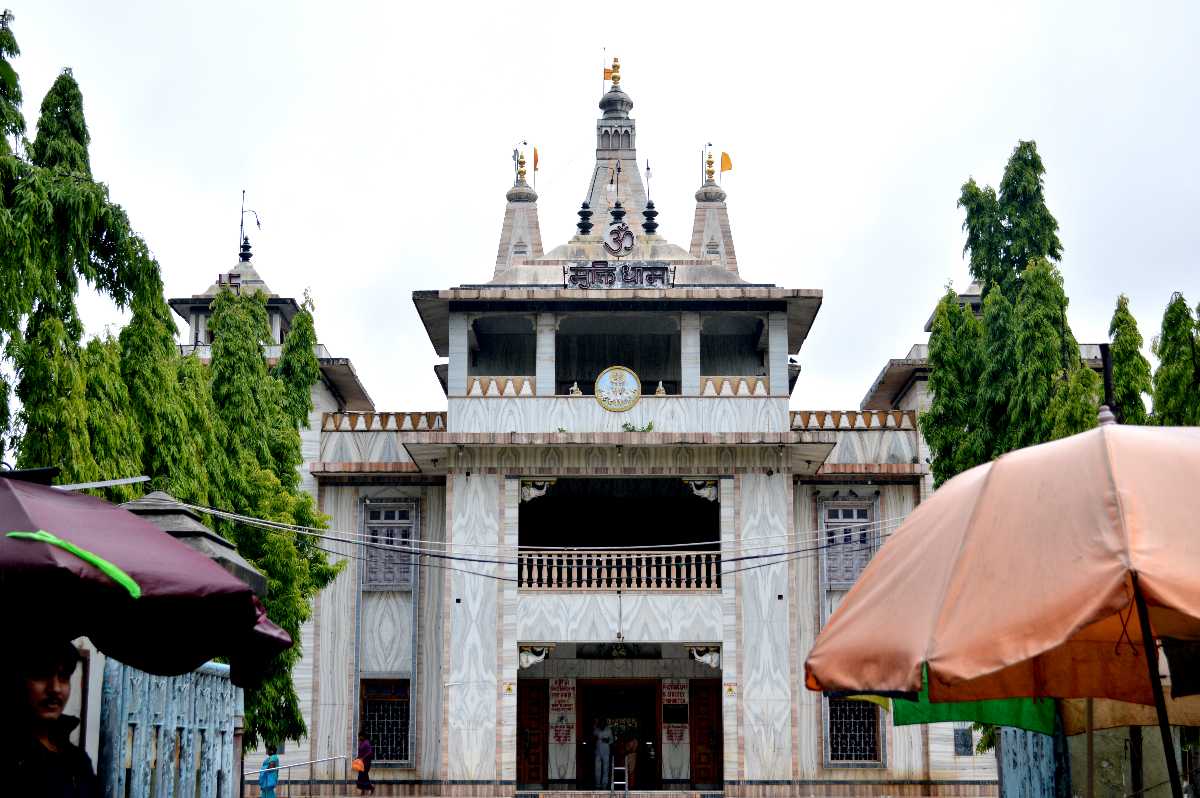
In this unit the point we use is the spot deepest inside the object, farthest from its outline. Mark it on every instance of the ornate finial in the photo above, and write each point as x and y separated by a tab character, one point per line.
650	226
708	168
244	254
1106	416
618	212
521	168
585	219
616	72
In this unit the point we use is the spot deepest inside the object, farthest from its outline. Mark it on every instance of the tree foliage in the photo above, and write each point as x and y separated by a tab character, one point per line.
298	368
262	444
954	369
222	435
1177	378
1006	231
1130	369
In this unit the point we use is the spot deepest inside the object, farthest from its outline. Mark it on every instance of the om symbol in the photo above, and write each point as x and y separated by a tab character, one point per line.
619	239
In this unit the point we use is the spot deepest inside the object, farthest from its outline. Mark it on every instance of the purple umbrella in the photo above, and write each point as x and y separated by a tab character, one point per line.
72	565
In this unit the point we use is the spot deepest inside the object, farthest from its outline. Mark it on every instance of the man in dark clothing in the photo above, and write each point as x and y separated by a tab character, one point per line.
38	759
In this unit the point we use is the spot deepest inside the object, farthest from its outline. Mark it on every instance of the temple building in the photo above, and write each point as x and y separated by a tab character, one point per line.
618	520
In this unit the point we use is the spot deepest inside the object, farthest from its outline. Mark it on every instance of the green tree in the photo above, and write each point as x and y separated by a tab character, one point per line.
113	435
298	368
955	364
1130	369
997	380
263	450
1006	231
1177	378
12	123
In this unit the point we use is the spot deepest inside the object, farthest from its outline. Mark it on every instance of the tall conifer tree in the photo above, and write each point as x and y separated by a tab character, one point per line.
298	368
954	360
113	434
263	450
1177	378
1130	369
997	379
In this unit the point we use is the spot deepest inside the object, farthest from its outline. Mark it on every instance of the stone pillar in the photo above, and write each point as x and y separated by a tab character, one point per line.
730	706
689	352
777	353
507	755
456	380
547	327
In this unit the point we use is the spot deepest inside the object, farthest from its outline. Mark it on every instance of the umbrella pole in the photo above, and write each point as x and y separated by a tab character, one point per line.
1160	703
1091	751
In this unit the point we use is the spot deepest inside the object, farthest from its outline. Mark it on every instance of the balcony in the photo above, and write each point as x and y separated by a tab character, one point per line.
629	571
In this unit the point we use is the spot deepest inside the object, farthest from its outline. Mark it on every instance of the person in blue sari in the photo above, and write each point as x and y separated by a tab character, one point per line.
268	776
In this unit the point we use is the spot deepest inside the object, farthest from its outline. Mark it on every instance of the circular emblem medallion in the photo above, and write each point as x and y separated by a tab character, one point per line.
618	389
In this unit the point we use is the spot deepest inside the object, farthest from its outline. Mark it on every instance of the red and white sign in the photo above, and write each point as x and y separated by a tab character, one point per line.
675	733
674	691
562	697
562	733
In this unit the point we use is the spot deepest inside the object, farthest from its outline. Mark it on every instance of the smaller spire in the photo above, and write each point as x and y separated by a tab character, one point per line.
650	226
585	219
244	254
710	191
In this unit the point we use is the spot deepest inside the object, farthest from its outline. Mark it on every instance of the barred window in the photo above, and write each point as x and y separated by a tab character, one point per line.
385	705
852	732
849	541
964	740
389	559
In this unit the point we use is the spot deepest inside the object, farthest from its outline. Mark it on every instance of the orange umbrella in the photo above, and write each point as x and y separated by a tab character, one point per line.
1045	573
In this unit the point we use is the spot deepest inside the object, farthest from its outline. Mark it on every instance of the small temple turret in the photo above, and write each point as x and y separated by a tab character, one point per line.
521	234
711	235
615	177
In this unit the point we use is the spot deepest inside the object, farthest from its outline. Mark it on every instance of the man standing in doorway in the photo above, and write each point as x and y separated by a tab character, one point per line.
603	736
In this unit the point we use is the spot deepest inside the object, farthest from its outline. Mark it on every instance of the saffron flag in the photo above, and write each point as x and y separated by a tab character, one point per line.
607	73
726	162
535	159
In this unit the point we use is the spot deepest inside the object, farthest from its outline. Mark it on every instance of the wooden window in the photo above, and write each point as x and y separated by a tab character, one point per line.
385	718
389	535
849	541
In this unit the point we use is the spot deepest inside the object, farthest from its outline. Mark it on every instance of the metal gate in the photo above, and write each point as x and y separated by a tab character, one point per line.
168	736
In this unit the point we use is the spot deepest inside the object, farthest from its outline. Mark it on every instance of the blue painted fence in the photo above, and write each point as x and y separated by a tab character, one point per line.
168	736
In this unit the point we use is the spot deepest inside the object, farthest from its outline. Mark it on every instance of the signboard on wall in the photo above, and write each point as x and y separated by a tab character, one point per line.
562	733
675	691
562	697
675	733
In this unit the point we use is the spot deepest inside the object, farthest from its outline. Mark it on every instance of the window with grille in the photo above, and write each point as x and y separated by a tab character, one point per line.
852	733
849	541
385	718
389	534
964	740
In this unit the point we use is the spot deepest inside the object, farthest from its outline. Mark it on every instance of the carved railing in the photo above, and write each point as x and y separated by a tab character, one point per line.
651	570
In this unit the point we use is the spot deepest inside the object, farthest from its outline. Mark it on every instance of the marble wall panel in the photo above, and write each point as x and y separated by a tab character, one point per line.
332	730
875	446
385	644
472	680
456	378
584	414
507	737
641	617
561	764
764	657
430	665
310	437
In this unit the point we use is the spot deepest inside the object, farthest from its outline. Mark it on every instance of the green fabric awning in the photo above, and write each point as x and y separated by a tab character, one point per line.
1031	714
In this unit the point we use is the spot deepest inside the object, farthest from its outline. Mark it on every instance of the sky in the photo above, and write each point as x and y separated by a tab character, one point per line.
374	141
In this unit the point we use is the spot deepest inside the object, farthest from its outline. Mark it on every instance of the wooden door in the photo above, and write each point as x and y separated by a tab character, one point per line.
704	732
533	728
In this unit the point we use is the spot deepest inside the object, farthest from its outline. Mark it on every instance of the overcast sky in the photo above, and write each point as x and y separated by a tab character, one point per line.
373	139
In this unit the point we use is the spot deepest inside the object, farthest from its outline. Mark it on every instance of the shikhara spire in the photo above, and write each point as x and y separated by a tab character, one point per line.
520	234
616	149
711	234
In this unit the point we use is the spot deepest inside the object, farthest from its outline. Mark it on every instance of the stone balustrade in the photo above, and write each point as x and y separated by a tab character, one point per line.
602	570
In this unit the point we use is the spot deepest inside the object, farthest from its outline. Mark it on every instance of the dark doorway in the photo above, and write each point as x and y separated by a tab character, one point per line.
705	734
533	750
613	512
632	709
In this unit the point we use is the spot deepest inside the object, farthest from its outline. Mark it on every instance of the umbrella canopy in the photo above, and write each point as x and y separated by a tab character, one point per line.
72	565
1018	577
